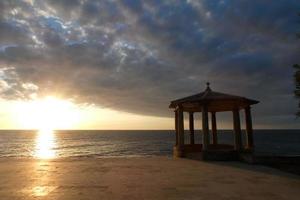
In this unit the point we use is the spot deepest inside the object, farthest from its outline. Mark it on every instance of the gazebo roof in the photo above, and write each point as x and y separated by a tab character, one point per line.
215	101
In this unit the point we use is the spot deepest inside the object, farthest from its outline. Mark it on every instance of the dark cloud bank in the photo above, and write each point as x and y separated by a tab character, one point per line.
136	55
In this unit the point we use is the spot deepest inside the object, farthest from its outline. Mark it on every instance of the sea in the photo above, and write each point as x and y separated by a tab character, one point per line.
128	143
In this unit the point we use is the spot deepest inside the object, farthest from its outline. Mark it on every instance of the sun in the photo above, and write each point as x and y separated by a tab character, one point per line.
48	113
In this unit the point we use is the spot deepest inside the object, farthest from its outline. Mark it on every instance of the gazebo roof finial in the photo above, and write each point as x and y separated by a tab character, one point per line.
207	86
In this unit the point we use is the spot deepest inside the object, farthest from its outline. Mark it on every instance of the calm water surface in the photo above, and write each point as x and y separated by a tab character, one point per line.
52	144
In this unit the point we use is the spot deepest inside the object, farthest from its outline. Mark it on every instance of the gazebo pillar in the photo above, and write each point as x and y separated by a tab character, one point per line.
180	127
249	129
176	126
192	134
237	130
214	128
205	128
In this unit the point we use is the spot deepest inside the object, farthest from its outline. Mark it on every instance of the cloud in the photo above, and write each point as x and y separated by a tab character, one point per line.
136	56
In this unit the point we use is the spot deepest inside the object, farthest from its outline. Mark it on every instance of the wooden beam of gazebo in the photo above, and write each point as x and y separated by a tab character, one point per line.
211	102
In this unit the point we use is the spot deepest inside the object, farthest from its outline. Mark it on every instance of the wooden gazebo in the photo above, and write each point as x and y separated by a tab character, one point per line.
212	102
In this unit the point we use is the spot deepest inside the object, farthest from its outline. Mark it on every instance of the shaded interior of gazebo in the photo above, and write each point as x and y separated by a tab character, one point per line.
212	102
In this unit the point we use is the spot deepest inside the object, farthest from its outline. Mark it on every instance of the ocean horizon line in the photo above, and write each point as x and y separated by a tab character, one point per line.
255	129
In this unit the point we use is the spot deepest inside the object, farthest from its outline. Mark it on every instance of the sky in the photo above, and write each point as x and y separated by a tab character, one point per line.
120	63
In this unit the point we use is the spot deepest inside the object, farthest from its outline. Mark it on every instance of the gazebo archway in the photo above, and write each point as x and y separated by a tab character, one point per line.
212	102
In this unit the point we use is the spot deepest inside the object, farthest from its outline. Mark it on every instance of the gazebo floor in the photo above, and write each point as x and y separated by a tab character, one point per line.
214	152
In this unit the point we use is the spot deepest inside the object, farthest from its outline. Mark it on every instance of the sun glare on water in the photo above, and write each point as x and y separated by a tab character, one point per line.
45	145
